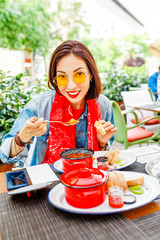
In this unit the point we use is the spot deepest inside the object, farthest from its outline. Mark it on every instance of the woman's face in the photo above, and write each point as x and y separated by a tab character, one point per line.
74	92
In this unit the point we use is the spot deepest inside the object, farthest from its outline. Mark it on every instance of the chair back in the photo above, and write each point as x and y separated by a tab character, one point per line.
120	124
137	97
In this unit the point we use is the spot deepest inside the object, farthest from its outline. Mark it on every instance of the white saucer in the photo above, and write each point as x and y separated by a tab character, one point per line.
128	159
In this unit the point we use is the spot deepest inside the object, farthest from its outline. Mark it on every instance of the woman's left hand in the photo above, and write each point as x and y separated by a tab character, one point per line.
109	129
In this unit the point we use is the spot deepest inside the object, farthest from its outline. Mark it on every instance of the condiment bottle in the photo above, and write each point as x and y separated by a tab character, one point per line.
115	197
102	163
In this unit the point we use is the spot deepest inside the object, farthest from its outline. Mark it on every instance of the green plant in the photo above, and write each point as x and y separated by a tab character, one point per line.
118	80
31	26
38	86
12	100
24	25
14	96
114	51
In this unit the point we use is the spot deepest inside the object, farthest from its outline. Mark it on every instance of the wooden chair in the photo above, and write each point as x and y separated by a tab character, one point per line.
129	136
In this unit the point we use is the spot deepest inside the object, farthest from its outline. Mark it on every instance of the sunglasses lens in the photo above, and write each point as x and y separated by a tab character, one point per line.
61	80
79	77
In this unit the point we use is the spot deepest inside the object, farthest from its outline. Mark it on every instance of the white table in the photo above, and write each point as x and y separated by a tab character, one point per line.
145	153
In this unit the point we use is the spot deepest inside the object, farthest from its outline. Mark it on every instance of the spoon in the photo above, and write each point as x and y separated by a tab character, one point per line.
65	124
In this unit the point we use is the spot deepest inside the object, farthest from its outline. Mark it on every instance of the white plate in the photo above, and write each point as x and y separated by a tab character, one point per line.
29	188
153	167
56	197
128	159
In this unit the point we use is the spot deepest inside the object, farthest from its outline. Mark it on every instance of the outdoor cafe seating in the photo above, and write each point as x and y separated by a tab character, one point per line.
137	97
132	135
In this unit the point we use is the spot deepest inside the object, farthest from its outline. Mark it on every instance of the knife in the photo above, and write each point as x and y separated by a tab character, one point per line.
29	188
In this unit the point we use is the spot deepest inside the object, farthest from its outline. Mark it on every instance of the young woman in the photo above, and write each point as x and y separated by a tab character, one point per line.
76	86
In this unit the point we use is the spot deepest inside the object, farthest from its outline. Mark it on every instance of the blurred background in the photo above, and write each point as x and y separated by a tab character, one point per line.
123	36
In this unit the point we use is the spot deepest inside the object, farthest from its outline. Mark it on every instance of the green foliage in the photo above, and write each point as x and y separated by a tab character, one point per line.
137	44
115	51
118	80
38	86
140	73
28	25
68	21
98	49
12	100
13	97
24	25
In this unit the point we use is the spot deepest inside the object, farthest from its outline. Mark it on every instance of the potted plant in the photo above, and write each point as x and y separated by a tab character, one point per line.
118	80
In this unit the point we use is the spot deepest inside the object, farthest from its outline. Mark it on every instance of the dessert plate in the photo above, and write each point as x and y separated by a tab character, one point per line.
151	187
127	160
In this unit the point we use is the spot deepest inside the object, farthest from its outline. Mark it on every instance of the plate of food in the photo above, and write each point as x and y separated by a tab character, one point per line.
116	160
141	189
153	167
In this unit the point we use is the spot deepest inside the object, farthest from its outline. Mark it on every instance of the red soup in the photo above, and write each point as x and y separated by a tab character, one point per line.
77	158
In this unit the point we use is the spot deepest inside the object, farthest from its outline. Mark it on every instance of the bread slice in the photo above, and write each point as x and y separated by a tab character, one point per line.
115	156
135	181
116	178
110	155
99	127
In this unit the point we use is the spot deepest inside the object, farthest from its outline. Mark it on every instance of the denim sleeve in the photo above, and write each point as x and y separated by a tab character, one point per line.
109	117
28	112
106	111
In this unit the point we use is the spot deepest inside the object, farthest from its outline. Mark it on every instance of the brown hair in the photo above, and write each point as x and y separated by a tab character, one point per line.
80	50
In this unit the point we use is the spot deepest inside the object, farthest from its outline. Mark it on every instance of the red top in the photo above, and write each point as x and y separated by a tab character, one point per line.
77	112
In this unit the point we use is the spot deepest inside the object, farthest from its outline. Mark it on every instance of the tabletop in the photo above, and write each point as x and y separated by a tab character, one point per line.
35	218
154	107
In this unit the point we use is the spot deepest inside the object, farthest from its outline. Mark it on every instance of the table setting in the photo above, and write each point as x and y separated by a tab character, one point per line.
50	204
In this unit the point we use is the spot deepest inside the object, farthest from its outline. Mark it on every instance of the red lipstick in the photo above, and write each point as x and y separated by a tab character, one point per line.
73	94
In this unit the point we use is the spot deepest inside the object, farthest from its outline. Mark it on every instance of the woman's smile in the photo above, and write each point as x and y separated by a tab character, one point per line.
73	94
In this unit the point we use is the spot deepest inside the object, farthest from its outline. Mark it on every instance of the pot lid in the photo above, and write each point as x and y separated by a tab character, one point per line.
84	178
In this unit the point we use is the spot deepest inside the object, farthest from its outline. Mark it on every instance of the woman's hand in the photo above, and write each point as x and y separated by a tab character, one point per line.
33	128
109	129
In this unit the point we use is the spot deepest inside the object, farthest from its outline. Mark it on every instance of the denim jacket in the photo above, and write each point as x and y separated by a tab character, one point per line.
40	106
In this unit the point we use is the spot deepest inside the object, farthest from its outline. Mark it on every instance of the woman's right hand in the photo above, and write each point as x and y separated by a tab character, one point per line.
33	128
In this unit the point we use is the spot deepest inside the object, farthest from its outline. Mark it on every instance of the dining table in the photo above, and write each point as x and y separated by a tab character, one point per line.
149	106
27	218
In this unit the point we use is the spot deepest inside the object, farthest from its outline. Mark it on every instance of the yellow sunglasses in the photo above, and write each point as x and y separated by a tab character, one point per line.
78	77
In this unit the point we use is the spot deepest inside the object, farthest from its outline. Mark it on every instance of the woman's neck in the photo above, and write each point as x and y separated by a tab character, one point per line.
79	105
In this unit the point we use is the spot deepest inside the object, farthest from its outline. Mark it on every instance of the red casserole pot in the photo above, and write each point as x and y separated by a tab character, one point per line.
77	158
85	188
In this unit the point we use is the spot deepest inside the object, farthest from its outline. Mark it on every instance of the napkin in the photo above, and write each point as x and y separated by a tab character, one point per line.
41	173
16	179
